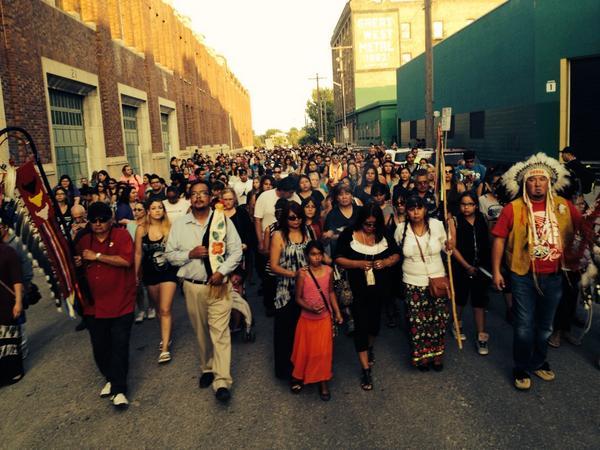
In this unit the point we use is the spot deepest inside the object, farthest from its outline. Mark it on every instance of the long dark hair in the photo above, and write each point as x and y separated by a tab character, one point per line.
371	210
292	207
363	181
414	200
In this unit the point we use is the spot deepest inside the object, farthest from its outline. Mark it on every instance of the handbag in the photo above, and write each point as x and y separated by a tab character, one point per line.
438	286
341	285
334	328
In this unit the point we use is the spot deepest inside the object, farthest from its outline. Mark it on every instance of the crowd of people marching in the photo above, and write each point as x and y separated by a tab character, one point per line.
337	240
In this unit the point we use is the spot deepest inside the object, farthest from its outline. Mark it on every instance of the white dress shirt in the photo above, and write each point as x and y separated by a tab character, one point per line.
187	233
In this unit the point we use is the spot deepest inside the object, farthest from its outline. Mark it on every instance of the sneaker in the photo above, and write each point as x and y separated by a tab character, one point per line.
545	372
151	313
463	337
522	380
120	401
105	392
139	316
482	344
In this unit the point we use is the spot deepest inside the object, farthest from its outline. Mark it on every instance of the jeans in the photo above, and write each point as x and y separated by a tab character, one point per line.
533	317
110	344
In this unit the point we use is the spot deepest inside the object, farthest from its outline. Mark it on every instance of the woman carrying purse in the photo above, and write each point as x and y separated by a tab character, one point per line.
421	241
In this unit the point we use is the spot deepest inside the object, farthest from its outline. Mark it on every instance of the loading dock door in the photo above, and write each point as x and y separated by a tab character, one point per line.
585	108
66	110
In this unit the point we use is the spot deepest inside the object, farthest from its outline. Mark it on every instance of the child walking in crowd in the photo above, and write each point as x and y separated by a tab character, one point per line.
313	343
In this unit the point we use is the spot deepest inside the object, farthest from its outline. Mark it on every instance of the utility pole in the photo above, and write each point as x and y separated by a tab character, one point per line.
319	106
340	60
428	77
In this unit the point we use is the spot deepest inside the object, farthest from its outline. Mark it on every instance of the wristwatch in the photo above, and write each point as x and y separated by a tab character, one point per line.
98	255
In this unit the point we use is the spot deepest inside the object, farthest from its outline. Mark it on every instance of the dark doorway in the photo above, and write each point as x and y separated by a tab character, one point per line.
585	108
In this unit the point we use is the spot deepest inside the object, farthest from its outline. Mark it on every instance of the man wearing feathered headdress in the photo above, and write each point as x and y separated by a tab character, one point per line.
533	231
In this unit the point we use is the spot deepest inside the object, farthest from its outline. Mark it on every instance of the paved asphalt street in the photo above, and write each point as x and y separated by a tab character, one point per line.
471	404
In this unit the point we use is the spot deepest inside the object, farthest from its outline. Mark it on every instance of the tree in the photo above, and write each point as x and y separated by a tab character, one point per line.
294	136
312	111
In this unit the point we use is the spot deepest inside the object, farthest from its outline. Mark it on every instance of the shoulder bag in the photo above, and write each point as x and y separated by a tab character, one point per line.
342	286
439	286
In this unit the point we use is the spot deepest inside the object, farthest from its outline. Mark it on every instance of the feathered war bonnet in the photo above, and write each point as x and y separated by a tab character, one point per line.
538	164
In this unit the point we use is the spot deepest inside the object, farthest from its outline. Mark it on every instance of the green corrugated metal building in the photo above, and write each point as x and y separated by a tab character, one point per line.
521	79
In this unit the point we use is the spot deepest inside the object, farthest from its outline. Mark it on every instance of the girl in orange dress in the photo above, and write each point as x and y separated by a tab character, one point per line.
313	343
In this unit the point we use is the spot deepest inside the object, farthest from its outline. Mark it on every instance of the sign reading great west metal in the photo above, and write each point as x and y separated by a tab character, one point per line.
377	38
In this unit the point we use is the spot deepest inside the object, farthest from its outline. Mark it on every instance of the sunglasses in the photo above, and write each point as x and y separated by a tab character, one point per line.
449	171
401	203
369	224
138	209
293	217
101	219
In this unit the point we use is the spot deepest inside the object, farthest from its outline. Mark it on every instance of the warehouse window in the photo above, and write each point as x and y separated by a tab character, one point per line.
405	30
438	29
413	129
406	57
477	125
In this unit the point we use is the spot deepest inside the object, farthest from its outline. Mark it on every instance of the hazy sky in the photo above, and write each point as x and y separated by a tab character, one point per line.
273	47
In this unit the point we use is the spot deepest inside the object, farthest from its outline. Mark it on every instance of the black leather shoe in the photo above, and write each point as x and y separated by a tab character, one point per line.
223	395
206	379
80	326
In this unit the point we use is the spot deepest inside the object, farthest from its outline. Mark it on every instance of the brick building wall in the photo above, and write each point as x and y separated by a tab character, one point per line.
115	48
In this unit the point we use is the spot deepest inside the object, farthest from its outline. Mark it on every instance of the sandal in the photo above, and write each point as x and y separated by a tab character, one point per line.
164	357
324	395
366	381
296	386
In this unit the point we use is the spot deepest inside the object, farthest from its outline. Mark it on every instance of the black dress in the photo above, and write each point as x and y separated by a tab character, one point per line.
472	241
368	300
155	267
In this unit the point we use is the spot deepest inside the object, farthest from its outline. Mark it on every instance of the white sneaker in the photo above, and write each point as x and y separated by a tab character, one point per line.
120	401
482	344
139	316
151	313
105	392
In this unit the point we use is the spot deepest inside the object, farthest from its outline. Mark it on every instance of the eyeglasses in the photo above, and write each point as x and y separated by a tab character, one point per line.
293	218
101	219
199	194
369	224
467	204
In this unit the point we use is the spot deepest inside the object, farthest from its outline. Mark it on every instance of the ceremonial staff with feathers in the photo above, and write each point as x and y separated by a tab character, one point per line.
38	198
440	168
